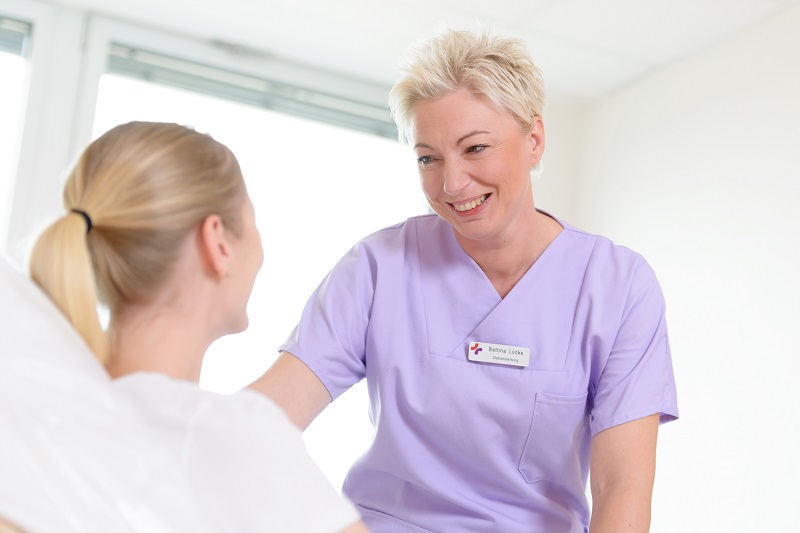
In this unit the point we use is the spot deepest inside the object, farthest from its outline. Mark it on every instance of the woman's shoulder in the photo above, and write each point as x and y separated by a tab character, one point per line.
186	404
604	249
264	454
410	226
393	242
613	265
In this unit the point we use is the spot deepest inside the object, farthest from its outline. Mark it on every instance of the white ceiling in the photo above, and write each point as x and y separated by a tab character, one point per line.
586	48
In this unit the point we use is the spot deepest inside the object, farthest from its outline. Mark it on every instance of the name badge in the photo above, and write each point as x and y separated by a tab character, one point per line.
501	354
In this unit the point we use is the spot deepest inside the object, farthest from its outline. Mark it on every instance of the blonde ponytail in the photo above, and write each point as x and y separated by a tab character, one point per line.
61	265
134	195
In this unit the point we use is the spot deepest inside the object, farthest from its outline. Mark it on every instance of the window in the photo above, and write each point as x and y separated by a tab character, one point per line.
14	38
317	188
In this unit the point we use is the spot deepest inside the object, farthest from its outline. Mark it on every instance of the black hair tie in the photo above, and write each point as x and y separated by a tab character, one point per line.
85	216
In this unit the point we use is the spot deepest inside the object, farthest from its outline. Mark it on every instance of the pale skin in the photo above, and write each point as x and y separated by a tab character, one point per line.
471	152
205	292
623	468
151	335
202	295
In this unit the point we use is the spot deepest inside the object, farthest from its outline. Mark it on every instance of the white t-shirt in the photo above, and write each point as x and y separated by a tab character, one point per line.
80	453
75	458
246	461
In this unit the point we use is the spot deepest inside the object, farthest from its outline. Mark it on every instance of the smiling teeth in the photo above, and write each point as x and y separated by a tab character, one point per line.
470	205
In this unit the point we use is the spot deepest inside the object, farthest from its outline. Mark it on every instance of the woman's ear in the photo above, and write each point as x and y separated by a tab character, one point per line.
214	246
537	140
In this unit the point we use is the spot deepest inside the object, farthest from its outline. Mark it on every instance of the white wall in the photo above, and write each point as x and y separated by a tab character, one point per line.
554	190
698	168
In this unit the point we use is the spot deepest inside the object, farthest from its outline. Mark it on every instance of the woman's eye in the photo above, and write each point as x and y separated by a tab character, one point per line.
424	160
475	149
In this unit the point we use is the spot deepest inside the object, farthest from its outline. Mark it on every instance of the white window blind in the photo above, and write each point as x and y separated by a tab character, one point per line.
260	92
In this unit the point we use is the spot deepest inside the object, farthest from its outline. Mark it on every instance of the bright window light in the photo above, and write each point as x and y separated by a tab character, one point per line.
12	103
317	189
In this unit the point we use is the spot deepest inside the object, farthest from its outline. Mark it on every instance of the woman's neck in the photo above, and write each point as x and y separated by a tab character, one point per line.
507	258
157	339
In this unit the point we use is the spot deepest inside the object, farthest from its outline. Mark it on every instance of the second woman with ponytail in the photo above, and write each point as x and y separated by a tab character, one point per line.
158	227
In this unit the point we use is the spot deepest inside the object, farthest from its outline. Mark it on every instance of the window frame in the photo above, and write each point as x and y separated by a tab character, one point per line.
43	147
21	51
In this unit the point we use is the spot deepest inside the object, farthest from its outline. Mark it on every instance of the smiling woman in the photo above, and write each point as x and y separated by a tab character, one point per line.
576	364
475	162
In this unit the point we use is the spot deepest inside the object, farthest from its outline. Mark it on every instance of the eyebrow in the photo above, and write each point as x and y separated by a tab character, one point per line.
459	141
470	134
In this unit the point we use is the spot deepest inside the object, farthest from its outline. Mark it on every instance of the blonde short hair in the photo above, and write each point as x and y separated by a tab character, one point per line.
500	69
144	187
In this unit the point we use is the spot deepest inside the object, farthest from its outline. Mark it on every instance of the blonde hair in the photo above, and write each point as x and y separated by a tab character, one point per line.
144	187
500	69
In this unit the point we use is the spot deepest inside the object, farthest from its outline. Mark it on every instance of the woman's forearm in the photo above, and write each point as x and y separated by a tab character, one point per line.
623	464
623	507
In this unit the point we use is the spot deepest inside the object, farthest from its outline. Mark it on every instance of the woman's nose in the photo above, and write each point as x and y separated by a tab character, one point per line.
455	178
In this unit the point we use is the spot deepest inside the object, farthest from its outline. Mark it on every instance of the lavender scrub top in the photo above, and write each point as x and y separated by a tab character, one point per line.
473	446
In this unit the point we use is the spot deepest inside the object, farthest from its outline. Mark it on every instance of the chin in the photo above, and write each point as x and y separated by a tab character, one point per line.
475	231
239	326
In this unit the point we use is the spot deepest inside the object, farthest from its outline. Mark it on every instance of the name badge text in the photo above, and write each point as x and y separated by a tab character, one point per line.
501	354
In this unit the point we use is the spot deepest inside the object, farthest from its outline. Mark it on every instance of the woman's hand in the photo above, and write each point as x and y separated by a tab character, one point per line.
622	470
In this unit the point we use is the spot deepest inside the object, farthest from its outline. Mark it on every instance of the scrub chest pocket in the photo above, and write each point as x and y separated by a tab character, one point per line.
551	451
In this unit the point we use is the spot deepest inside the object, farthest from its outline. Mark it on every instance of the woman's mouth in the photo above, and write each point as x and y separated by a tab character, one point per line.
469	206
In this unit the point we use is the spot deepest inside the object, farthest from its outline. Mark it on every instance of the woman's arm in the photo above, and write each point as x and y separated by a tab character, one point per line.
295	388
622	471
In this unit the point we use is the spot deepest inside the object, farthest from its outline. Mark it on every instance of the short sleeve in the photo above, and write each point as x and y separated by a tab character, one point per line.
637	379
246	462
246	453
331	335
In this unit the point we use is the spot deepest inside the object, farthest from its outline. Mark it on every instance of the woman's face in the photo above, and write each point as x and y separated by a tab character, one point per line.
474	164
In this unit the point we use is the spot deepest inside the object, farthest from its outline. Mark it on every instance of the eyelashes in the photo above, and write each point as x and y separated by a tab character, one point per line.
426	160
